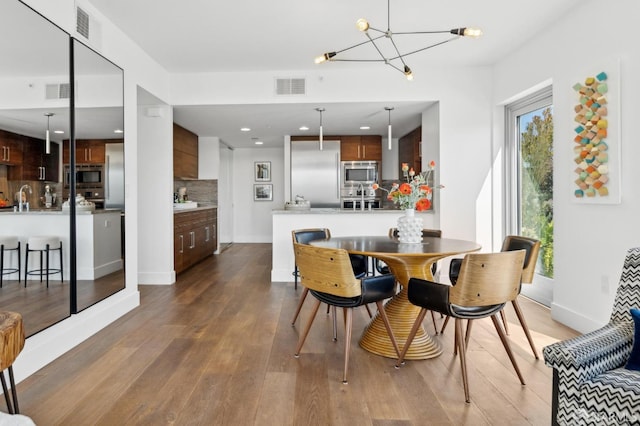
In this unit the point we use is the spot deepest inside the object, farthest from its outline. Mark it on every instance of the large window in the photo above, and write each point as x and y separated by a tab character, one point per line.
529	171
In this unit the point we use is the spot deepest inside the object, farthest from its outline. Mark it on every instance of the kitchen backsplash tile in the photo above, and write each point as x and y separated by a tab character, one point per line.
203	191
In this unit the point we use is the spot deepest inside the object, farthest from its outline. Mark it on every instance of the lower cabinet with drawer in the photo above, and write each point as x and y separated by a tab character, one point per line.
195	237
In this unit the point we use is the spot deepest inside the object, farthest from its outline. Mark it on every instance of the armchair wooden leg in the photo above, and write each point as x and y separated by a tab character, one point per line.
387	325
507	347
305	332
412	334
335	322
348	325
302	297
462	349
503	316
523	323
467	334
444	324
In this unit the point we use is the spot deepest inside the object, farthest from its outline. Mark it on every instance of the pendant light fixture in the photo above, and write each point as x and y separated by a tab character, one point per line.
395	57
320	110
47	141
389	109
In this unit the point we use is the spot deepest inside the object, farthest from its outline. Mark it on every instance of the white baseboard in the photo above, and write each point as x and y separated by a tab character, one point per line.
574	320
157	278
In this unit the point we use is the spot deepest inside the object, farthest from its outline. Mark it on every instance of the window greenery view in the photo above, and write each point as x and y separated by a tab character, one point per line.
536	182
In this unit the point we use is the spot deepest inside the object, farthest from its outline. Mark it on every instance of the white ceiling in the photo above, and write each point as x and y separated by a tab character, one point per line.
251	35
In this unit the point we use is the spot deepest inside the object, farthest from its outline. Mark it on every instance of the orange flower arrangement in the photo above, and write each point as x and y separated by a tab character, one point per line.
415	193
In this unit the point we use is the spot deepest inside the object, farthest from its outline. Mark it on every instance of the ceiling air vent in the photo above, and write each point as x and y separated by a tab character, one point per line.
82	23
290	86
57	91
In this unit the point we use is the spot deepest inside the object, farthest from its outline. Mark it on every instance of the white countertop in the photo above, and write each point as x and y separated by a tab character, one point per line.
342	211
58	212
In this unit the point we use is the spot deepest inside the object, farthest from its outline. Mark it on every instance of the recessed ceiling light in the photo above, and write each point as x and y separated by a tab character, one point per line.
364	127
59	132
245	129
118	131
304	128
258	142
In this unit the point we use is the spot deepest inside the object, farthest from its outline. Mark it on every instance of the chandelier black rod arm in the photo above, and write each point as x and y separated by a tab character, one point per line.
400	56
423	32
359	44
376	46
402	71
424	48
359	60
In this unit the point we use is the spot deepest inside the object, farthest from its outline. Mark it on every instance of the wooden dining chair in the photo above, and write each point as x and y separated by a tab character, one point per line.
510	243
328	275
486	282
304	236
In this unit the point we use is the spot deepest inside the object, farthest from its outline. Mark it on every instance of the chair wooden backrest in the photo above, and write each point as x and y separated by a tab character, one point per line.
488	279
532	247
435	233
326	270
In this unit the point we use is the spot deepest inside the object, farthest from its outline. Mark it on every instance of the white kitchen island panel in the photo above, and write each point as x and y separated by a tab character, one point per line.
340	222
97	235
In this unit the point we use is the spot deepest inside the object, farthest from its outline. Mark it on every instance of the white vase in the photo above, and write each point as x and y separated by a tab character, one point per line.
410	227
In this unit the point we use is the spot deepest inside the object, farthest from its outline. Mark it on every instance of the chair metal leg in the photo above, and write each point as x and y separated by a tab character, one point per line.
303	296
433	318
467	334
348	325
523	323
412	334
5	390
368	311
305	332
335	322
14	392
462	349
507	347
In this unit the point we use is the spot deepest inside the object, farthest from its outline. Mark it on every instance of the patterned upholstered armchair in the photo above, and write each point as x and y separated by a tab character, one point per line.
590	384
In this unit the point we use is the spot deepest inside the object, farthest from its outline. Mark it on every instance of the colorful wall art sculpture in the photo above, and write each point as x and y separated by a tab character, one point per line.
590	146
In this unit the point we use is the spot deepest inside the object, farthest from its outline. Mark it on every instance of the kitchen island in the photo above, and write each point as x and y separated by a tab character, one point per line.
97	238
341	222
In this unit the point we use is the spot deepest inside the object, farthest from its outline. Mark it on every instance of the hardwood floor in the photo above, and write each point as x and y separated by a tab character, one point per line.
217	349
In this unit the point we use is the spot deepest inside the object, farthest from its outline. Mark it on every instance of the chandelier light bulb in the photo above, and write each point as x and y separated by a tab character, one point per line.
325	57
472	32
408	73
362	24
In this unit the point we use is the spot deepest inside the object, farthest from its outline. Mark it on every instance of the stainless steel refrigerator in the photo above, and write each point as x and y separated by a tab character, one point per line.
114	172
315	174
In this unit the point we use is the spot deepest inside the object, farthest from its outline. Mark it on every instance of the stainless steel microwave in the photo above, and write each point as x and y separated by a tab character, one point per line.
87	176
359	172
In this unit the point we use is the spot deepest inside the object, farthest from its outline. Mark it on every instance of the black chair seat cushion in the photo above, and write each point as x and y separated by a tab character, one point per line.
373	289
435	297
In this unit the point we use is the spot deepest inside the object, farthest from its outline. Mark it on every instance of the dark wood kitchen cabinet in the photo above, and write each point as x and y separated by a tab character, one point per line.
185	153
409	150
195	237
88	151
10	148
36	163
361	148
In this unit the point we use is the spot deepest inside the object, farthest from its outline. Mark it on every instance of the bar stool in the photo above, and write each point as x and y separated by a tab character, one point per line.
11	344
8	243
44	245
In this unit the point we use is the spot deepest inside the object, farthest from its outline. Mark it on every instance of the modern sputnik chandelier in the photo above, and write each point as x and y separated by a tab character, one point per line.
400	65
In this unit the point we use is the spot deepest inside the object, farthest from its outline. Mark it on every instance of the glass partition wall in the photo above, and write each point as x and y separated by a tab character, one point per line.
36	98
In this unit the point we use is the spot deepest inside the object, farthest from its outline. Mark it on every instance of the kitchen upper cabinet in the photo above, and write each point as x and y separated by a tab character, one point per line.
88	151
185	153
11	148
36	164
361	148
410	151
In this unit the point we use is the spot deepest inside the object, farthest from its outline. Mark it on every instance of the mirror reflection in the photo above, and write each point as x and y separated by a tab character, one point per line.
98	161
34	120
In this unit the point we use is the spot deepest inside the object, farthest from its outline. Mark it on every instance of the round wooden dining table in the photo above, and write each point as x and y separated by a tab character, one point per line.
405	261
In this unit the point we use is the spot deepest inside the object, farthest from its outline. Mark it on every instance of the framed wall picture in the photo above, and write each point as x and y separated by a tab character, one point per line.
262	171
263	192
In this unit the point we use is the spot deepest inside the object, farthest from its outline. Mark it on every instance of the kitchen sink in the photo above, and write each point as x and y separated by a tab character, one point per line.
185	206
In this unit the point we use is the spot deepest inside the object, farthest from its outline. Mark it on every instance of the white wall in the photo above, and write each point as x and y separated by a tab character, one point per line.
252	219
590	241
208	158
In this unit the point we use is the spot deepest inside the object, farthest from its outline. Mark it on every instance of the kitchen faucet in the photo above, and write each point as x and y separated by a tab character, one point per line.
20	196
361	189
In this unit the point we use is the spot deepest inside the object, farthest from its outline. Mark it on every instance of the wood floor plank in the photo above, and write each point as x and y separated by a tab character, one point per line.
217	348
